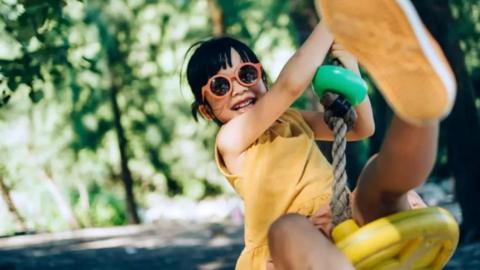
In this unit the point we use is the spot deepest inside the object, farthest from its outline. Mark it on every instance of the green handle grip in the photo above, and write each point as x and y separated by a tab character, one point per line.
341	81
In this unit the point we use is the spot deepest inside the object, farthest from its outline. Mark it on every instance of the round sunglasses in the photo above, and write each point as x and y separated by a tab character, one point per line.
246	74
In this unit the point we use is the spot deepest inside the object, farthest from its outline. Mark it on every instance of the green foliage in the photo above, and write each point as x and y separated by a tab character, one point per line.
71	57
106	207
136	49
467	25
38	48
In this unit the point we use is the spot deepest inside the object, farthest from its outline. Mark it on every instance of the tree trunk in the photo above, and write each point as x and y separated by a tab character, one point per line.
305	19
382	115
116	58
83	200
5	192
216	14
462	126
46	175
127	180
62	203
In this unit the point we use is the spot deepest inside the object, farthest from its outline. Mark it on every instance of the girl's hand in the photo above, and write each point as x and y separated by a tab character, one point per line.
322	220
346	58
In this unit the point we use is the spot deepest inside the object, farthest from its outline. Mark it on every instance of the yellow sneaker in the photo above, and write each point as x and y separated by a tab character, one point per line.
391	42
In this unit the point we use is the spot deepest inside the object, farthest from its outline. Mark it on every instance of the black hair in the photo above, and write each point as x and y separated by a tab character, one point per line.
208	58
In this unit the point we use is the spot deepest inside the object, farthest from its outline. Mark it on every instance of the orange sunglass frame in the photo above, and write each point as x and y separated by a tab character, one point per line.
230	78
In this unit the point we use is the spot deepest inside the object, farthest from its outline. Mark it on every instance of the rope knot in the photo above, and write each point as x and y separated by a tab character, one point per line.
338	107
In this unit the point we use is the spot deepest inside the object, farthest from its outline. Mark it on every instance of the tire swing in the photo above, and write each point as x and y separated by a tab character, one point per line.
415	239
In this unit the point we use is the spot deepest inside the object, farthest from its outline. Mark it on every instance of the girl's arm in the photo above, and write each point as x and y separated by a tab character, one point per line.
239	133
364	125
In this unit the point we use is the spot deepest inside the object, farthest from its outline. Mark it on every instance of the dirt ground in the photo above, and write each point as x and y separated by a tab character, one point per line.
165	246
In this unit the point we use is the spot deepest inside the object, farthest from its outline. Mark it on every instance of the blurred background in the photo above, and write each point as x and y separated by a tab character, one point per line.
96	129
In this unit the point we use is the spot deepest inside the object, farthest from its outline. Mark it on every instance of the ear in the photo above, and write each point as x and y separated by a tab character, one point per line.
206	112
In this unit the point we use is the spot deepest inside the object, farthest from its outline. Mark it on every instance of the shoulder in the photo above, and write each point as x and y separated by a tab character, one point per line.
223	142
226	142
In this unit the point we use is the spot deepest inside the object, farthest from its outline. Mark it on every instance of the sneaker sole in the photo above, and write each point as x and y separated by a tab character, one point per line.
406	63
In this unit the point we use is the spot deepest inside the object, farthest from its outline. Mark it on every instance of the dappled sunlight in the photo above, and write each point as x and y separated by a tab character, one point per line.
220	241
117	242
117	247
217	264
97	130
84	235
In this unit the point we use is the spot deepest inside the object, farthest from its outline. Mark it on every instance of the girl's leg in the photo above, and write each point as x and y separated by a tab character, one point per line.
403	163
390	41
415	78
296	244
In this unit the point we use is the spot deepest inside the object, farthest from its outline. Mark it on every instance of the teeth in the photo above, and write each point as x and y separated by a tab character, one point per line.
244	104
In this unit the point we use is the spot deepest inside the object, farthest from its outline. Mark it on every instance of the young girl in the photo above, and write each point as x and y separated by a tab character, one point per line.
268	154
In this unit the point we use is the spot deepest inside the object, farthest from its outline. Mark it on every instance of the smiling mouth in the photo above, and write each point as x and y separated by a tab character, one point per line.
244	104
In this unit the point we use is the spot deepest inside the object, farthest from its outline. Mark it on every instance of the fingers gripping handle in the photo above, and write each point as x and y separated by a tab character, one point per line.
337	106
339	89
341	81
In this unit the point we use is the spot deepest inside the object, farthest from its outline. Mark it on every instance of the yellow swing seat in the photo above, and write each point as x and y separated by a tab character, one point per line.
422	238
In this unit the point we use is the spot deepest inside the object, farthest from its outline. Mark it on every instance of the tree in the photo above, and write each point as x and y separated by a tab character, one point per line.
216	15
462	127
115	58
42	23
5	193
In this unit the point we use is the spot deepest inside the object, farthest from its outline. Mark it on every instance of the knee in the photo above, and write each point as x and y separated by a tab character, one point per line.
295	243
284	233
285	226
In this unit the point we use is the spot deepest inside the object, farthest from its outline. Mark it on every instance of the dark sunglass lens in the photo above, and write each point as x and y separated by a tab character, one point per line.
248	74
220	86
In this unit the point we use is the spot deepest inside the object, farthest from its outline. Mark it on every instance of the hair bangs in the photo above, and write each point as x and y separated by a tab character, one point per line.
211	56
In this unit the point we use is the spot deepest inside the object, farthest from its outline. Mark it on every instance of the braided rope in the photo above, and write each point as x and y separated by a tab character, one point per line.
339	204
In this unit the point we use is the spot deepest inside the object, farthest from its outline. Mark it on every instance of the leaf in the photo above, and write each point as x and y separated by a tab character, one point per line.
36	95
5	99
12	84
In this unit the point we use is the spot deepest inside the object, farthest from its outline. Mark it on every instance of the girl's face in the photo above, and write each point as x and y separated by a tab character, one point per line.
239	99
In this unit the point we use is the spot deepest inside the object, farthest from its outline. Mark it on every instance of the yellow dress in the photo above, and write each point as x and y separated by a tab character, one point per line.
284	172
